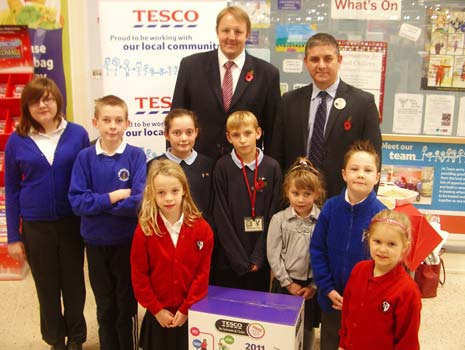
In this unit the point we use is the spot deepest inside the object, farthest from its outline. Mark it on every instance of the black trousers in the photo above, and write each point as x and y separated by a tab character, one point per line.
110	278
55	253
259	281
330	325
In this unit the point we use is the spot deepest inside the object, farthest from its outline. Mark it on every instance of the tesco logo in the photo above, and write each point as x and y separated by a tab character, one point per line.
163	16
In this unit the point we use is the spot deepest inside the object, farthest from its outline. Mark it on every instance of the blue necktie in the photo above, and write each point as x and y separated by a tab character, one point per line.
316	151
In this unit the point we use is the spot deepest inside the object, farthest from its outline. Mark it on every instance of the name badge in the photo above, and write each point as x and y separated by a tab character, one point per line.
253	224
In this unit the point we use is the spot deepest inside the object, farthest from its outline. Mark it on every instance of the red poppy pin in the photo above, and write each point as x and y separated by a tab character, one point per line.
348	124
260	184
249	76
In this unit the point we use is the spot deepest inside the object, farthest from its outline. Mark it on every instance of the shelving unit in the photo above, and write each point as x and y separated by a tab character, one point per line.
16	70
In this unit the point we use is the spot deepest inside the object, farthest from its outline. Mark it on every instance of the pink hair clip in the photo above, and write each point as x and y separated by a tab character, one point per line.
390	221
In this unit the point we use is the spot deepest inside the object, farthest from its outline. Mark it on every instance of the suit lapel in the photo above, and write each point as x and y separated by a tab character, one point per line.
335	113
212	72
304	111
242	84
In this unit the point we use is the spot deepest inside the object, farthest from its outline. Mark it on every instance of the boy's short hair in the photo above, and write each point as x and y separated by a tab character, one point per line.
241	118
110	100
362	146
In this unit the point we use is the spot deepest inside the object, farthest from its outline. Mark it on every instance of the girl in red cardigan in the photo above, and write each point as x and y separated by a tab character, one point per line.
170	257
382	303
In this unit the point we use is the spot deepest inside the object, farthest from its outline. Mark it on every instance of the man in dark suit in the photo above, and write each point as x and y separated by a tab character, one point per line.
351	114
255	85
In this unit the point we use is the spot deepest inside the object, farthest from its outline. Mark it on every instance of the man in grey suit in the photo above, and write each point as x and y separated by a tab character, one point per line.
255	85
351	114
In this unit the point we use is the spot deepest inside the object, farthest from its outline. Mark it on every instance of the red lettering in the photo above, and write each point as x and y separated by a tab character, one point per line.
140	100
166	102
165	15
173	15
139	14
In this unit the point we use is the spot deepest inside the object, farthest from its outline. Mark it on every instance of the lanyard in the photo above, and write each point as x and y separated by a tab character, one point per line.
252	195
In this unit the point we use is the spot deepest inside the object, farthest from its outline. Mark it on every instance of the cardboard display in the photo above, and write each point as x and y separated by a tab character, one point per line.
233	319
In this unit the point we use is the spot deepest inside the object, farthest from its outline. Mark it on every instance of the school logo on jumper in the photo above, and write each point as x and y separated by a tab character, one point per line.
123	175
199	245
385	306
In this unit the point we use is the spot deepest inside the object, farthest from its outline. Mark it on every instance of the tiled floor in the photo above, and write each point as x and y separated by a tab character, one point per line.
441	329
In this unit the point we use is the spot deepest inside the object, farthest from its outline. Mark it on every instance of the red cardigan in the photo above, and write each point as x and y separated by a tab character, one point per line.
169	277
381	313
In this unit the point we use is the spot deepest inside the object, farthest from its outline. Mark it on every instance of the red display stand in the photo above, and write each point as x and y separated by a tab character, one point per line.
16	70
424	236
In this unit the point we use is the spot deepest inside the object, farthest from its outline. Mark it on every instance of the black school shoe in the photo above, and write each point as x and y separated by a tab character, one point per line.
58	347
74	346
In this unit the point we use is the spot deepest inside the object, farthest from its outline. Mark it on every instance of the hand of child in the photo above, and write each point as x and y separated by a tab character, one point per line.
307	292
179	319
294	288
16	251
336	299
119	195
254	268
164	318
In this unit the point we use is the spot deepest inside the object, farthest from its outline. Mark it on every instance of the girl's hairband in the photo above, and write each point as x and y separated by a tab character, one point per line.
391	222
305	165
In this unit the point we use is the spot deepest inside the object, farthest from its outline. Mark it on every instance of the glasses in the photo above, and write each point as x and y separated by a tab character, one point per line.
47	101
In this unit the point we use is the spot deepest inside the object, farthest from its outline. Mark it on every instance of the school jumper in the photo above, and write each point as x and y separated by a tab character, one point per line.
198	169
381	313
236	249
287	251
336	246
107	230
37	193
165	276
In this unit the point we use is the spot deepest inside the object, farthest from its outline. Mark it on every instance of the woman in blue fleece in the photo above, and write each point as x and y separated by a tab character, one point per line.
337	241
41	225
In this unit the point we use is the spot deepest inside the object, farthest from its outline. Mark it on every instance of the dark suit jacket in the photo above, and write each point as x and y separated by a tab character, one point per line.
291	130
198	88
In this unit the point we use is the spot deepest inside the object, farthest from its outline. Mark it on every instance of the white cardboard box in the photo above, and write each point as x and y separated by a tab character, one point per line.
234	319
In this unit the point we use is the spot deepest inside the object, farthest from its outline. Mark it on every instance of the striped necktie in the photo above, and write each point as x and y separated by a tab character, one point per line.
227	86
316	151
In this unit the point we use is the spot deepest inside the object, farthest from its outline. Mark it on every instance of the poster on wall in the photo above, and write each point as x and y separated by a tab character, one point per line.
444	64
433	172
142	44
373	10
45	19
364	66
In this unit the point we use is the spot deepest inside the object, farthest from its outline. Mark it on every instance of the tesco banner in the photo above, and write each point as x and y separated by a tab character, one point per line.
142	44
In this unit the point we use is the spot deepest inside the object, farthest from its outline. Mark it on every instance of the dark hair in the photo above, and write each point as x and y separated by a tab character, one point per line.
177	113
304	175
32	93
362	146
320	39
238	13
110	100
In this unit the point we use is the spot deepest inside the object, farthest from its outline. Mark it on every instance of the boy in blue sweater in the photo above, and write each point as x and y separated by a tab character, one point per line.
337	243
106	188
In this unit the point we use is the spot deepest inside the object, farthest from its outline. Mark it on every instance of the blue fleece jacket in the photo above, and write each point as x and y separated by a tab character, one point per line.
337	243
36	190
93	177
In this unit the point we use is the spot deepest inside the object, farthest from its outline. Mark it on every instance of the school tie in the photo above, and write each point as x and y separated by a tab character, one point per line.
315	153
227	86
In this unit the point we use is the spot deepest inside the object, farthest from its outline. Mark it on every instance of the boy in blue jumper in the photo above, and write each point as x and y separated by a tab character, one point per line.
106	189
337	241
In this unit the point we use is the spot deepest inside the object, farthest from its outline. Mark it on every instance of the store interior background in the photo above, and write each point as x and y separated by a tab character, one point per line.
442	316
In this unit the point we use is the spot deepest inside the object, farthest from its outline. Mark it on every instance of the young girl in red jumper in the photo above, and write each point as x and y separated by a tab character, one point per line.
382	303
170	257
